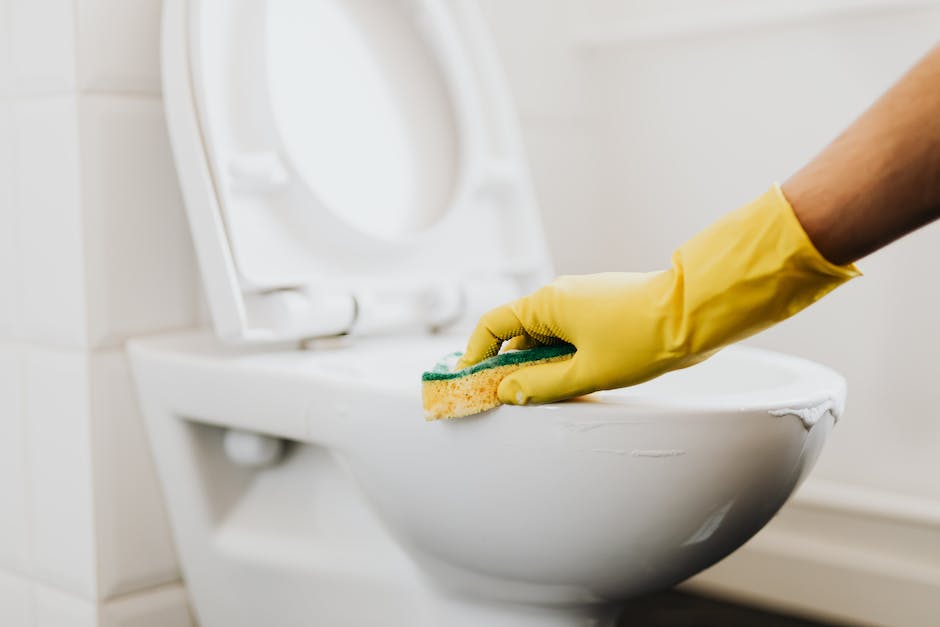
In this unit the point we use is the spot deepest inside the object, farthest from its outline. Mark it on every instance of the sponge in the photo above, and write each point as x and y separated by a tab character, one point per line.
447	393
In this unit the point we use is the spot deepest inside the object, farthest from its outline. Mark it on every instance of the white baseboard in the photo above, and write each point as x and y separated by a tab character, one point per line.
840	552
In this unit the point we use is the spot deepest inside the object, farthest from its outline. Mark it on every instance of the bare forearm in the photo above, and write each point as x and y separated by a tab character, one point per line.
880	179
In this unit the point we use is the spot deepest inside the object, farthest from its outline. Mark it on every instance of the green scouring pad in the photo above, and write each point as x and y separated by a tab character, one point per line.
449	393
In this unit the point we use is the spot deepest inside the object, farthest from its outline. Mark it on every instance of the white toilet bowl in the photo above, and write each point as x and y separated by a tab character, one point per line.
353	167
542	515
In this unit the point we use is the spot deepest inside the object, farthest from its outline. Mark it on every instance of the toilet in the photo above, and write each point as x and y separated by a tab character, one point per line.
357	195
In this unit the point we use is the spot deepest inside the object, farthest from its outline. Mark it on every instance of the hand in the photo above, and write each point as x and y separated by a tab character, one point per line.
618	322
754	267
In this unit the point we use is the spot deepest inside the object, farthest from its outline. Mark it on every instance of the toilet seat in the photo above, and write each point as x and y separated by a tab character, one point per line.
288	250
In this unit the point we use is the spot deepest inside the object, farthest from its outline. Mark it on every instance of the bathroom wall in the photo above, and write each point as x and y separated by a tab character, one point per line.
93	250
645	120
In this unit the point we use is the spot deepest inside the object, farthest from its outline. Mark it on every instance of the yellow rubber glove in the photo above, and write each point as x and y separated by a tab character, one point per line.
752	268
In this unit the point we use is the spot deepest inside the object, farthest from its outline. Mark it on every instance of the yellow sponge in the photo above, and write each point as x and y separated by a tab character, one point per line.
453	394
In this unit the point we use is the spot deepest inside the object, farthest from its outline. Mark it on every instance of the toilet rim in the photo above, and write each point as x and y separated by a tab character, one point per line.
812	386
738	379
389	367
315	397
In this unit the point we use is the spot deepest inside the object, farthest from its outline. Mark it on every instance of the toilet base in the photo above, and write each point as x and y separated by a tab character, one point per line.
454	612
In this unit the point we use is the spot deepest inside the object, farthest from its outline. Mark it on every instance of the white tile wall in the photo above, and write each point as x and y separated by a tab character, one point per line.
526	30
93	250
9	249
124	59
16	602
6	69
138	254
81	508
135	548
14	471
42	40
49	225
563	159
59	451
54	608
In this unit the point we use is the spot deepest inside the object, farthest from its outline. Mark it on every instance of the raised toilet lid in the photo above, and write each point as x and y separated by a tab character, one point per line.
347	165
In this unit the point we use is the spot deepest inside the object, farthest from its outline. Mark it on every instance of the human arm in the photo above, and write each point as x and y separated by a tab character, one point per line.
751	269
880	179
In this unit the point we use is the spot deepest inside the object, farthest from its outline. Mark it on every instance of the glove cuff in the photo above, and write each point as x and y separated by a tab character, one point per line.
752	268
802	241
